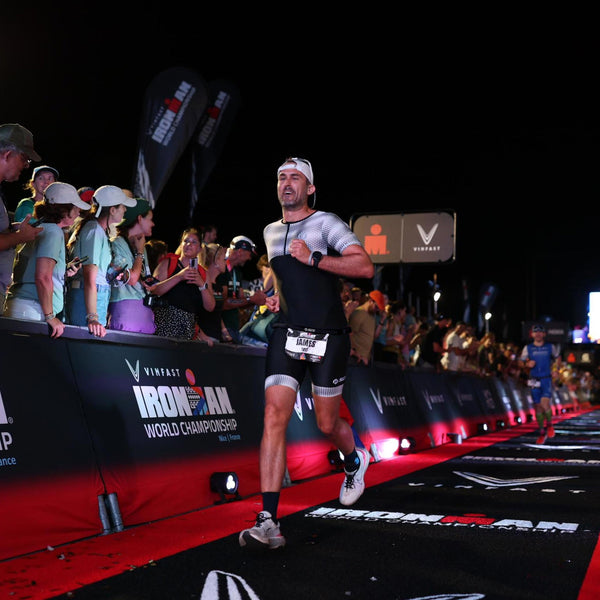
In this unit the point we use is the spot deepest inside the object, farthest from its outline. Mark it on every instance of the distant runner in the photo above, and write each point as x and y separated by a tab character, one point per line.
538	357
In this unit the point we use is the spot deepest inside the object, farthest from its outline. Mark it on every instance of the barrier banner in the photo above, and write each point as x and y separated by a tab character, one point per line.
501	392
382	406
520	401
145	421
162	420
435	401
173	105
49	481
210	136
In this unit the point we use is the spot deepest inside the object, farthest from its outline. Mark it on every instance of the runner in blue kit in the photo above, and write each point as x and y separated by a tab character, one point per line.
308	251
538	357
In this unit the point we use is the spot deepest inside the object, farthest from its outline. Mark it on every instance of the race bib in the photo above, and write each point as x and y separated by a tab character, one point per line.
534	383
303	345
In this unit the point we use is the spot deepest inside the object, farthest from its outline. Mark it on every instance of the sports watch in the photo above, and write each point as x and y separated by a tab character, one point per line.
316	259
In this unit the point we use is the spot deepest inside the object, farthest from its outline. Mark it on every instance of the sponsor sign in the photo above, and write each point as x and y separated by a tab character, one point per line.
425	237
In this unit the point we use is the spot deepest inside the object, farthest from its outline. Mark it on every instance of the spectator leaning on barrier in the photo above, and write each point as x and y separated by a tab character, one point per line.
456	346
88	293
363	323
128	306
182	289
16	154
432	348
240	251
37	290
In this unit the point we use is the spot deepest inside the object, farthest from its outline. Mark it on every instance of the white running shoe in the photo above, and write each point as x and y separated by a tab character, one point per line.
354	483
264	534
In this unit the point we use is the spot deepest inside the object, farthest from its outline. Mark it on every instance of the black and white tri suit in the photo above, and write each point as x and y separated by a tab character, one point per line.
309	300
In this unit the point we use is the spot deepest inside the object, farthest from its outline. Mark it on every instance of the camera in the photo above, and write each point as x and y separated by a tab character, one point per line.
155	301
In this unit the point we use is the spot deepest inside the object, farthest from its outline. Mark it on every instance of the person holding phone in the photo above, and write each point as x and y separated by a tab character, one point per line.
88	293
37	290
127	308
182	288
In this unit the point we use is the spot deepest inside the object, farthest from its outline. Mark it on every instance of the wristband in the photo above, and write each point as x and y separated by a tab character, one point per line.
49	316
140	254
91	317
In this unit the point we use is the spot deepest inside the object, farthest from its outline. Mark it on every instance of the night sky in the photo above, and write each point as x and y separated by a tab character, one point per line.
501	129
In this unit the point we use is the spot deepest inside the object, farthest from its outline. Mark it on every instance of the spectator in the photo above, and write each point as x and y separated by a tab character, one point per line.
456	346
383	320
257	330
86	194
88	293
37	291
41	178
212	263
346	296
155	251
182	289
487	354
432	347
397	338
417	341
410	320
363	323
16	154
127	308
240	251
209	234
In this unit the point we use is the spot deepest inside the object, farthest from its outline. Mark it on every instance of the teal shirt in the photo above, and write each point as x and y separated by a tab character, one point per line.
123	255
93	242
24	208
48	244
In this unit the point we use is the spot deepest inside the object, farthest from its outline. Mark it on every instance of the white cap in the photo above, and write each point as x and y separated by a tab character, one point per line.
64	193
300	164
111	195
241	242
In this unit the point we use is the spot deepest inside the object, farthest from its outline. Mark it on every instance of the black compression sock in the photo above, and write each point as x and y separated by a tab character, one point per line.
270	503
351	461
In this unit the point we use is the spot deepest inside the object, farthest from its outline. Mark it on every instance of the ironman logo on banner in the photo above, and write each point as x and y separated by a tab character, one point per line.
419	237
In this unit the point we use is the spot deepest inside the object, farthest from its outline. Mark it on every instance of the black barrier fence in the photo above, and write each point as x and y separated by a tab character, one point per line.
101	434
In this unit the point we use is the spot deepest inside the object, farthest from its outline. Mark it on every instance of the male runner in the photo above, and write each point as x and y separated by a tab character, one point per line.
538	358
309	250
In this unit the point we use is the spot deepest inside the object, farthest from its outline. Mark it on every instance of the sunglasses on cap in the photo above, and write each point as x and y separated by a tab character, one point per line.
537	328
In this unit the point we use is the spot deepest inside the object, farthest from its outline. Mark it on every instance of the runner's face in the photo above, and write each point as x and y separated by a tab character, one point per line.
293	189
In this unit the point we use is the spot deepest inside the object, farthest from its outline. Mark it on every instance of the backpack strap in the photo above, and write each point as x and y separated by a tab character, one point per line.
173	260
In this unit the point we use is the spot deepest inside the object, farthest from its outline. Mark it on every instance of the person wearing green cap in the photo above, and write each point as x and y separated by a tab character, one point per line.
127	311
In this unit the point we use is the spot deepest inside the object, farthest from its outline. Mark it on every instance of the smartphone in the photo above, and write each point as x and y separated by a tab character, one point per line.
194	262
76	262
150	280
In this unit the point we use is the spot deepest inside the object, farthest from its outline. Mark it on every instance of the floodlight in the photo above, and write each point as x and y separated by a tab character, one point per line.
225	484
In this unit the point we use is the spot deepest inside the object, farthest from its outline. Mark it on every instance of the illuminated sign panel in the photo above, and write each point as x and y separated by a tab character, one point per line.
428	237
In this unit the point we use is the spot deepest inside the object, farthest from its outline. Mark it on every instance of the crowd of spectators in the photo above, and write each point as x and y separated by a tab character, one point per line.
86	257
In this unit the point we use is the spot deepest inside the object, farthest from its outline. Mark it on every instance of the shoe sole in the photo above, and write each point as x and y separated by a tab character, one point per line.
367	458
247	539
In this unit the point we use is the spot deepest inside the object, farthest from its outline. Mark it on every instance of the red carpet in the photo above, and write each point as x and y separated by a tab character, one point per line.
71	567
